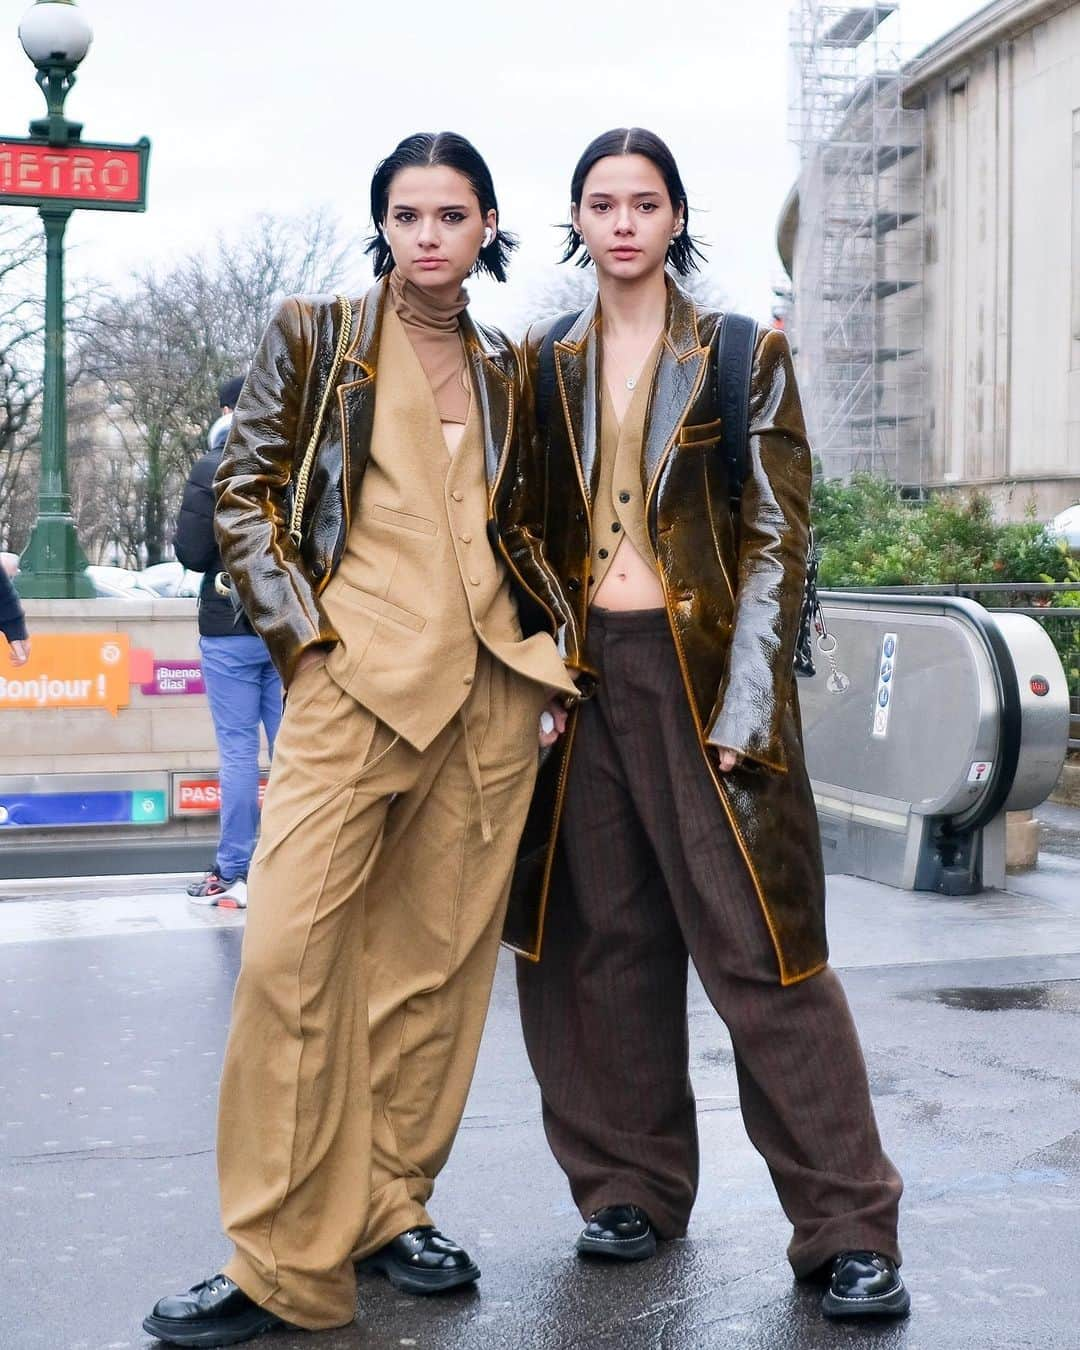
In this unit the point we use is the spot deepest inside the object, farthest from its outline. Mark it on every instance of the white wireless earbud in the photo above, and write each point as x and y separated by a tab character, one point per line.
489	235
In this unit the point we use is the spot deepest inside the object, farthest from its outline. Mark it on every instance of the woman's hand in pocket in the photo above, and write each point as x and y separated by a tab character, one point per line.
311	656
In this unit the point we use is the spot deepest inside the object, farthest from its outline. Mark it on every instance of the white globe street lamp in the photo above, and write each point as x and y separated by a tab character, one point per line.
55	35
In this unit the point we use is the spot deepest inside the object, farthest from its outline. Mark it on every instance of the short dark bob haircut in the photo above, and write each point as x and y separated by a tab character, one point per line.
684	254
447	150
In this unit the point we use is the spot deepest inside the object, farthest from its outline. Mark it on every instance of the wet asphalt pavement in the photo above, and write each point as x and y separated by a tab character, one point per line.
114	1002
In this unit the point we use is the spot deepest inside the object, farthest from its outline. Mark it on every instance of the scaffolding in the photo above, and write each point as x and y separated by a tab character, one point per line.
857	321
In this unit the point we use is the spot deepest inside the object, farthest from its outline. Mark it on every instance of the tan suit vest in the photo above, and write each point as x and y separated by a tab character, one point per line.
418	587
620	501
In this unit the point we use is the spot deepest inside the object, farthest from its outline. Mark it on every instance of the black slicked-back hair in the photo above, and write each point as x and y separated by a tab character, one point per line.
684	253
448	150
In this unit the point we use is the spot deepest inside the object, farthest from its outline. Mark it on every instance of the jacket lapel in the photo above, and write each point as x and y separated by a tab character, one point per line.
356	392
677	379
493	388
577	385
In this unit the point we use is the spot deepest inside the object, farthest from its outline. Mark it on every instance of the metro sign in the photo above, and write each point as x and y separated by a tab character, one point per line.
83	174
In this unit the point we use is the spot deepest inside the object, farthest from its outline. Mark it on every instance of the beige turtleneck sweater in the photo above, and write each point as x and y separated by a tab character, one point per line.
433	329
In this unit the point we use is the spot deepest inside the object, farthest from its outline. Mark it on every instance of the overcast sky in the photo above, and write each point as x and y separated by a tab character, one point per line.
283	107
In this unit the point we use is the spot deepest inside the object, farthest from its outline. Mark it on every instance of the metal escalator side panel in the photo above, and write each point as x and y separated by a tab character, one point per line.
1043	692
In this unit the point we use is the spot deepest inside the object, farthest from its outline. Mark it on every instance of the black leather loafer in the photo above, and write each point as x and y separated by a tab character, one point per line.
619	1232
423	1261
864	1284
216	1312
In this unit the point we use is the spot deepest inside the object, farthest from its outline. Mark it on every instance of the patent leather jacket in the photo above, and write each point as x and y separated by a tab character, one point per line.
279	580
733	590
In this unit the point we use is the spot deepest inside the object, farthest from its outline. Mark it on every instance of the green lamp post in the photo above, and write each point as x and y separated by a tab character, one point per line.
56	36
58	172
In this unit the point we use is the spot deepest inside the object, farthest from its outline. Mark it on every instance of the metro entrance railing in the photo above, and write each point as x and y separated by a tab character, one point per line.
1061	623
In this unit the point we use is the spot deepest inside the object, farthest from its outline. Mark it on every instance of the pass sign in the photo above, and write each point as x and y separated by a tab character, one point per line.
200	794
82	174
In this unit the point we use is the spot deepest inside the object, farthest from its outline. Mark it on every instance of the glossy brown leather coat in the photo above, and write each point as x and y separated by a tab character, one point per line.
733	590
280	582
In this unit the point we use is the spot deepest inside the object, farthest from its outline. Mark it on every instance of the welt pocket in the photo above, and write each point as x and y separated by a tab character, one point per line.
385	610
403	521
700	433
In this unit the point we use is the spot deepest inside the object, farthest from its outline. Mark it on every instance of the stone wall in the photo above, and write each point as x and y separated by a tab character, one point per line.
45	749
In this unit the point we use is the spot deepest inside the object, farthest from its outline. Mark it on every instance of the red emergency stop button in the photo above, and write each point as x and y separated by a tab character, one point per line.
1040	685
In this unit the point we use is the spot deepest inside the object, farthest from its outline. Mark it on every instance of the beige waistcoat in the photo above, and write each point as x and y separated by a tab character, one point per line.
620	502
418	588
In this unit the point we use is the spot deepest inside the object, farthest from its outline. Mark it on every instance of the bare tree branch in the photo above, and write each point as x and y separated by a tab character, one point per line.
155	356
22	253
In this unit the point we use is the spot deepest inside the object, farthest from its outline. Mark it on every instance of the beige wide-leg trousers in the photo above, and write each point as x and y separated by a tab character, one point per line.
376	902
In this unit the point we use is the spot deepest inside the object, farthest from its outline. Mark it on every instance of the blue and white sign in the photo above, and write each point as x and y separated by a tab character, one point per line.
885	692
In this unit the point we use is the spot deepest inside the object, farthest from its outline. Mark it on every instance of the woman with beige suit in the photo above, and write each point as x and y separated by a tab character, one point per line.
395	572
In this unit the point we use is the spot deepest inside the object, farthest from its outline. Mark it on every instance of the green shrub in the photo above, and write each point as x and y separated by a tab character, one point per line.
870	536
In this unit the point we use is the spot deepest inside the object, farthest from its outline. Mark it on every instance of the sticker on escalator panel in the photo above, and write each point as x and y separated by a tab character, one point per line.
883	695
980	770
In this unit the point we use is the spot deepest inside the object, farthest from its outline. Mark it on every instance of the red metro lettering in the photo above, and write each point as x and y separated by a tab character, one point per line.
43	171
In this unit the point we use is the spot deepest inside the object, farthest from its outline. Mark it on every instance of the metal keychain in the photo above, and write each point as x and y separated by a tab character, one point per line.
837	682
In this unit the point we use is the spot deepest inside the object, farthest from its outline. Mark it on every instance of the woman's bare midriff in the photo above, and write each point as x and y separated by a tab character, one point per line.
630	582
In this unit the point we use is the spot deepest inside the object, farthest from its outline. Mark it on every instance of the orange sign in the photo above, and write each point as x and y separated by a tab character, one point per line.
69	670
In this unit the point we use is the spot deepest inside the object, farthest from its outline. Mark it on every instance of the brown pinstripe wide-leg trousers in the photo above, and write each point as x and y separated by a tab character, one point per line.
655	878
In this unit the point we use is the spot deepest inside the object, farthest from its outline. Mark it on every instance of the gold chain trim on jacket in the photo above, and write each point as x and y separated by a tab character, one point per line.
309	454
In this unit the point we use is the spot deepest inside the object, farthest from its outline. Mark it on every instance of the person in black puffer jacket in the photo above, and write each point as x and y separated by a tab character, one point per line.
242	686
13	621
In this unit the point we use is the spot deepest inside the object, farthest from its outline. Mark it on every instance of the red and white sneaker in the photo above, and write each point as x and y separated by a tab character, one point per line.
214	889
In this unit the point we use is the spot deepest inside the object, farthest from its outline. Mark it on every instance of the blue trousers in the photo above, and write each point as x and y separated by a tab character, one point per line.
244	692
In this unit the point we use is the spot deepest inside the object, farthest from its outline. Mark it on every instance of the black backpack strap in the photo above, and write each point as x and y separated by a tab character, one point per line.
545	375
734	366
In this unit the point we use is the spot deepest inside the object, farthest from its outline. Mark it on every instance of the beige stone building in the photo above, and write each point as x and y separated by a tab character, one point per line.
965	372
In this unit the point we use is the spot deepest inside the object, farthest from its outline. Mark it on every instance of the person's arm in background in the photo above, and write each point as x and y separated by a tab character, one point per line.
13	621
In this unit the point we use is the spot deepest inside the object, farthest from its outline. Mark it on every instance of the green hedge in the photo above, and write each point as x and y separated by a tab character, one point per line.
870	536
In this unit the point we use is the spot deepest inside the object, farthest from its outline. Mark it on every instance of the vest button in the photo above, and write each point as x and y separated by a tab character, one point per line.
458	496
616	527
603	553
474	581
573	584
579	515
467	680
318	569
466	538
624	496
